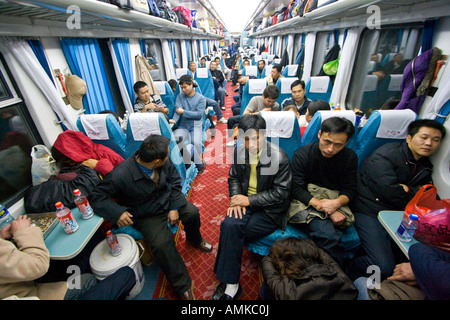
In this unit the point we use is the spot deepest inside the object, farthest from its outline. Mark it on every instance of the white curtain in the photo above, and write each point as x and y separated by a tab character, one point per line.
280	46
184	58
194	50
310	43
168	65
120	81
441	96
22	52
290	48
346	60
411	44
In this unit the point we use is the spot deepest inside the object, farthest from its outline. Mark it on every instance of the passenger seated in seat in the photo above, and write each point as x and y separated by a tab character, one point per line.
26	259
147	102
259	184
218	79
388	179
275	74
266	102
147	192
311	110
327	164
298	97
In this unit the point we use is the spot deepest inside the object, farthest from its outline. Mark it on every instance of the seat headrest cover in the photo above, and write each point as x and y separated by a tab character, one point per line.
396	82
279	124
292	70
256	86
394	123
144	124
319	84
286	84
161	86
95	126
347	114
370	84
180	72
251	71
202	73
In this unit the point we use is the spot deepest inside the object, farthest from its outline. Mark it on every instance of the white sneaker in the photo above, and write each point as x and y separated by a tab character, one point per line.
223	108
231	143
222	120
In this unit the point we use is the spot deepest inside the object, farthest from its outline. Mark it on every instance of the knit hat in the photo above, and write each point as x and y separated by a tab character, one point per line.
77	89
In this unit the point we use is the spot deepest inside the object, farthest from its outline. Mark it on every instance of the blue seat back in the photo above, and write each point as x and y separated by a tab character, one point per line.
104	129
141	125
369	92
312	130
383	126
283	130
204	80
319	88
253	88
167	96
290	71
284	84
389	87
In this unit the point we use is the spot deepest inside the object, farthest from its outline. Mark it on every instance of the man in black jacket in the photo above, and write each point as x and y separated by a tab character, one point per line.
329	164
388	179
259	185
218	80
146	189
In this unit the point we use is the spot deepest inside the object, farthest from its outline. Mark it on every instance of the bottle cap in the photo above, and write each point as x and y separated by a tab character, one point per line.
108	233
76	192
413	217
58	205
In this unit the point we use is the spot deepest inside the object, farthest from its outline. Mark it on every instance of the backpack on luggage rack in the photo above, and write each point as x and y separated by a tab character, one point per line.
137	5
165	12
184	15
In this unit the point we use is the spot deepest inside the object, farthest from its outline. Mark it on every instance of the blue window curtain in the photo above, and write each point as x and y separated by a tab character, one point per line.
39	53
143	47
428	31
188	45
174	54
123	55
85	61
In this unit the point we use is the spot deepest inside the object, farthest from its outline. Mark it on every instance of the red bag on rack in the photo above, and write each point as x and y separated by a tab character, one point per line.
434	217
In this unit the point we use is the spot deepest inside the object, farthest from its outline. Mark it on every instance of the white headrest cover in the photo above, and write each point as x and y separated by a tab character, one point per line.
161	86
286	84
394	123
95	126
256	86
279	124
370	84
144	124
319	84
347	114
202	73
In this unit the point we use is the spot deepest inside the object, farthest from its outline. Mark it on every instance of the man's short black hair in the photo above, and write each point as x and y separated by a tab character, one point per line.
252	121
271	92
278	67
338	125
297	82
153	147
138	85
264	61
415	126
317	105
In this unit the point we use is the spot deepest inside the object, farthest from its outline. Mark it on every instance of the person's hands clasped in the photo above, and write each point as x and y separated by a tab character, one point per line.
238	204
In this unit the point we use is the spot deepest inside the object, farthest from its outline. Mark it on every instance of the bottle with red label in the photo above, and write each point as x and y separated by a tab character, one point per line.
66	218
83	205
113	243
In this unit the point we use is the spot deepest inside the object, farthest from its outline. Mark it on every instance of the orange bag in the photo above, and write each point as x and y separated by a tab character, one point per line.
434	217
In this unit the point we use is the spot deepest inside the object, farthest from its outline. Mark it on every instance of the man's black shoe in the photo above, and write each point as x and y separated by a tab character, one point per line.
220	290
237	296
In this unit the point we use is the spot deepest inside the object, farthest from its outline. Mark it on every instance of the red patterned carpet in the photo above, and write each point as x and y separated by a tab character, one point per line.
209	192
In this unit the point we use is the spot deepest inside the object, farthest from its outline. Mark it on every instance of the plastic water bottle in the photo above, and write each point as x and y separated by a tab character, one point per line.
5	217
66	218
83	205
407	228
113	243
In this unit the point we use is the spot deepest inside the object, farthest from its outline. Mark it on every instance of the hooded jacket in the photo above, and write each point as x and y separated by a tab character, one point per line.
325	281
78	147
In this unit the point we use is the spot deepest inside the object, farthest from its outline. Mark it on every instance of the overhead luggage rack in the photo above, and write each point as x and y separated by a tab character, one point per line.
97	19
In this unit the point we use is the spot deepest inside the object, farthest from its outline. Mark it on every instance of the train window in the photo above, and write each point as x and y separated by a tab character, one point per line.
17	136
178	57
154	57
380	61
324	42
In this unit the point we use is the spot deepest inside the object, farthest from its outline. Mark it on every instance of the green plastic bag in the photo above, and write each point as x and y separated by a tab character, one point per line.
330	68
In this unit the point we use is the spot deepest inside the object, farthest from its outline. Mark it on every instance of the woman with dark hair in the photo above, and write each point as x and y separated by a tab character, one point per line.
296	269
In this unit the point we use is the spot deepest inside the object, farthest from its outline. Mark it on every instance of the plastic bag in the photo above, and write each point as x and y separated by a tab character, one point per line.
331	68
434	217
43	165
